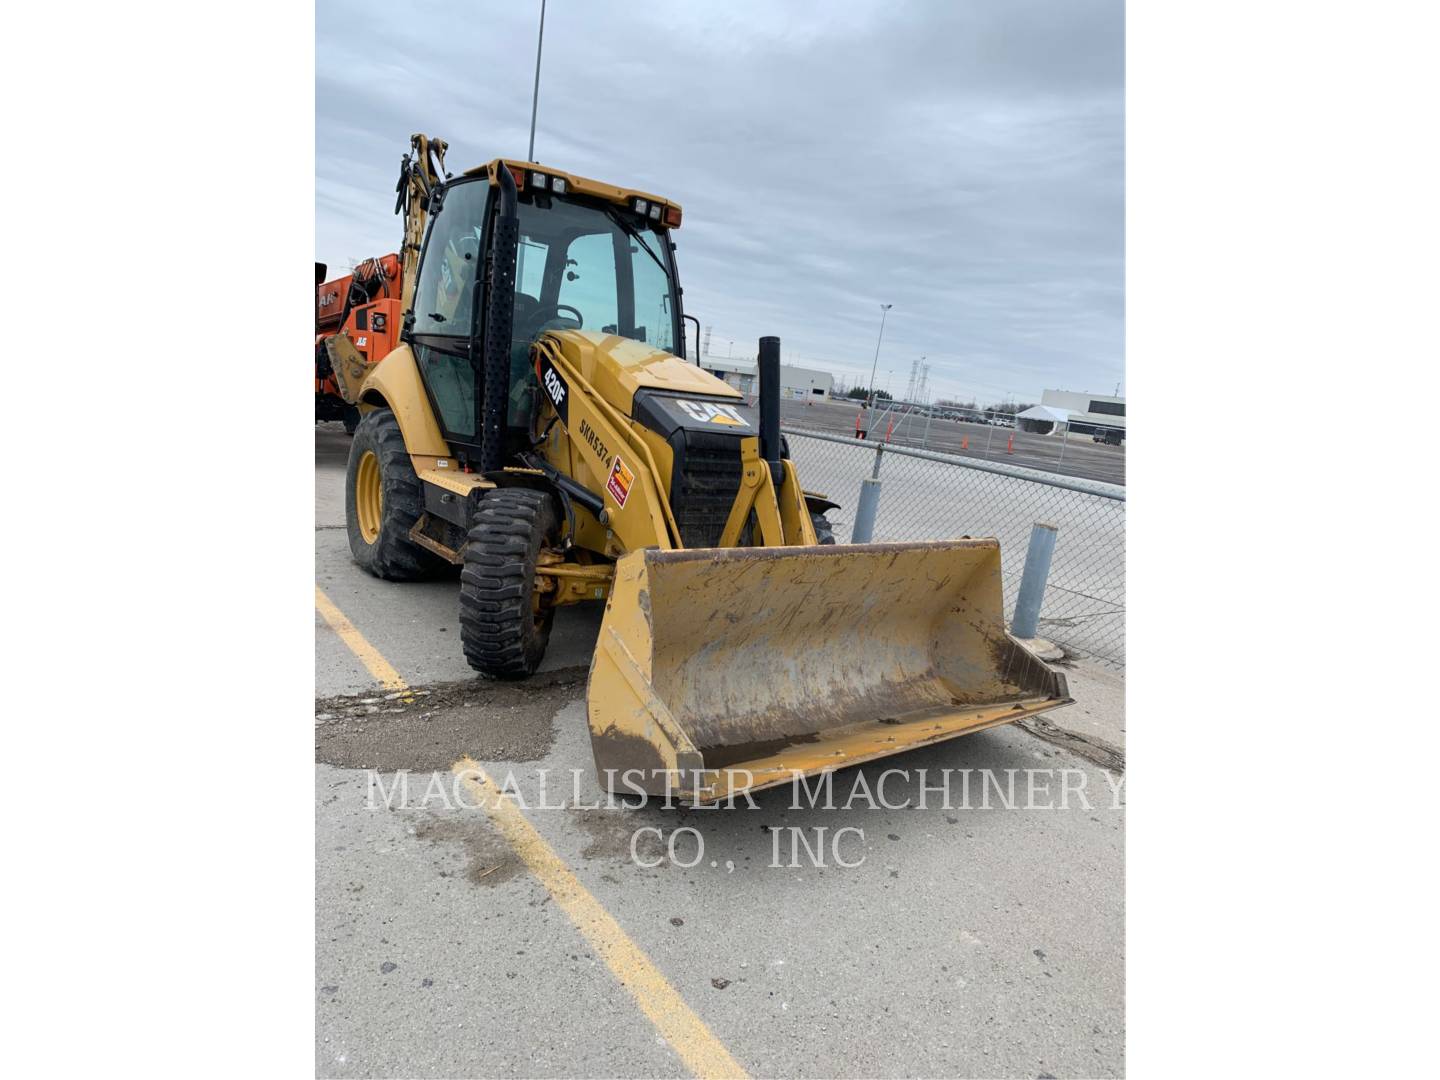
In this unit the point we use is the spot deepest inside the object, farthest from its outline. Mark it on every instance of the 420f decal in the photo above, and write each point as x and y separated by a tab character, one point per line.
555	386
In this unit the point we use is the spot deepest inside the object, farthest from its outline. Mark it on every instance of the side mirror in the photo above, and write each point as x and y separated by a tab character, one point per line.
320	270
692	318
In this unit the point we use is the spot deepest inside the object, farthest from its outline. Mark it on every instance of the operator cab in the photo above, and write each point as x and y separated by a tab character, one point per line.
585	261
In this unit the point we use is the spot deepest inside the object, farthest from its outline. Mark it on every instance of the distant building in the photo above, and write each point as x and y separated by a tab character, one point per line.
796	383
1088	412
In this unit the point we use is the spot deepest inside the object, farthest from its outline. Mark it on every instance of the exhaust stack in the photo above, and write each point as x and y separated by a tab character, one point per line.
768	366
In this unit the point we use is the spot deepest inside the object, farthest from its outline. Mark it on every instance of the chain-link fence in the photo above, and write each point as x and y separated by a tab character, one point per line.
930	496
1046	444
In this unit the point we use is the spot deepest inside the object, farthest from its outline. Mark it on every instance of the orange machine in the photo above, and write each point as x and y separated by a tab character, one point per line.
364	306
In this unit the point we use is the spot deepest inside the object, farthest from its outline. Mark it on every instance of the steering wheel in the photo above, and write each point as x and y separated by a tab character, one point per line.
579	319
531	316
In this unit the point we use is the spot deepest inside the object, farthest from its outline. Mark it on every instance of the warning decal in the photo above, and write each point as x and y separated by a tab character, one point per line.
620	480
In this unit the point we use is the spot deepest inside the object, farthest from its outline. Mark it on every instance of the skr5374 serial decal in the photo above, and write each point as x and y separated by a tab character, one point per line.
594	440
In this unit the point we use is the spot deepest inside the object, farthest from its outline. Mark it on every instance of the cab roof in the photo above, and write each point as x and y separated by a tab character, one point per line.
525	172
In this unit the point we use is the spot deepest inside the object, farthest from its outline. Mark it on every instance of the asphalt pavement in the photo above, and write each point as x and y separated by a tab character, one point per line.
568	939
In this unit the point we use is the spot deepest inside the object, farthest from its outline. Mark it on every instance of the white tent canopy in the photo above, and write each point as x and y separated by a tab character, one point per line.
1045	412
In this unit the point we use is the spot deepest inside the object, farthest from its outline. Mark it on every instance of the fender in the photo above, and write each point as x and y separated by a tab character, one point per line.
818	504
395	383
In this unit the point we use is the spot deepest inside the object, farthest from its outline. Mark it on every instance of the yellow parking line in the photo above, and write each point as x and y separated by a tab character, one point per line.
368	655
703	1054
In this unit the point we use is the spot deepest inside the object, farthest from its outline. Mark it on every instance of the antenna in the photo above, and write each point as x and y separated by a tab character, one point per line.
535	99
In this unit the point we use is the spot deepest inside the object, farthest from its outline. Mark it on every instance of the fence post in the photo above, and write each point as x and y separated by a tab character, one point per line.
1032	580
869	504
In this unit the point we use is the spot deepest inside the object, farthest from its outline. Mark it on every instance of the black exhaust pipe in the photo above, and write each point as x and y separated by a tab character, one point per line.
768	363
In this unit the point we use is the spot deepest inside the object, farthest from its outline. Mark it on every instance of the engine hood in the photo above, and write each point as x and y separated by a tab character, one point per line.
618	367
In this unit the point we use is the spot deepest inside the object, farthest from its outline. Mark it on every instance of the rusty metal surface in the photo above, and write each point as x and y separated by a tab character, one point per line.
419	536
782	660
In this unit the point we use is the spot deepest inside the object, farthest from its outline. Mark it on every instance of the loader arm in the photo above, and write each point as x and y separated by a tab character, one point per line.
615	463
614	457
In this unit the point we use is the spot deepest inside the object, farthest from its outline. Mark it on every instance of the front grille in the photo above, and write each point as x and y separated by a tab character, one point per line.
704	485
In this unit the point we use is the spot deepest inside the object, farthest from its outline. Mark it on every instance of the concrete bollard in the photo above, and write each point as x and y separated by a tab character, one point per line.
1032	580
869	504
865	511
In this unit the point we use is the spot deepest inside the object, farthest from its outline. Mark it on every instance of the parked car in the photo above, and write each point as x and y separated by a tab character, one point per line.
1108	436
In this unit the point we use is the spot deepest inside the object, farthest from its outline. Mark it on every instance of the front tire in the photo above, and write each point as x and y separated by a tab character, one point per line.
383	501
824	530
504	623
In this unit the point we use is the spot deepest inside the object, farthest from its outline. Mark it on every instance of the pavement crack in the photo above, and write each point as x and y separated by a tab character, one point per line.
1096	751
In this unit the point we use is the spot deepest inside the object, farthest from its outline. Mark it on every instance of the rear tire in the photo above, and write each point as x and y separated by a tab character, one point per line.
503	629
824	530
383	501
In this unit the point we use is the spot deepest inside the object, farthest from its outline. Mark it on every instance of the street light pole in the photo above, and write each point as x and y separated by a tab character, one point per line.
535	98
884	310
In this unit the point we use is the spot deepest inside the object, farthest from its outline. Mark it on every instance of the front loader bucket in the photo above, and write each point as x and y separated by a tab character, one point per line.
720	670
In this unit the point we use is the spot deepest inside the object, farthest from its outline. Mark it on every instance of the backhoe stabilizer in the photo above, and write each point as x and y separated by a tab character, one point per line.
724	670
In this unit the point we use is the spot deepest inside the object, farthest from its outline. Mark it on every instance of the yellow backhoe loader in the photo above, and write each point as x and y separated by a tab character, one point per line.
540	427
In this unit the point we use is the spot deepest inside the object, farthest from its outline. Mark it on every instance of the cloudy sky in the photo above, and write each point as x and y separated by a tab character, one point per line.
961	160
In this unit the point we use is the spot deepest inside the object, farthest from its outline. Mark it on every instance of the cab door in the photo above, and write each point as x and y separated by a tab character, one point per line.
440	321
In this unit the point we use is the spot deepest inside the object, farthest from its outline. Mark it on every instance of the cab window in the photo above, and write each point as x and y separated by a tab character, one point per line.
587	284
444	290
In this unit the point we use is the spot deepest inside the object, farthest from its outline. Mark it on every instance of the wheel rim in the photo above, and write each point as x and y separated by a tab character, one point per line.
368	499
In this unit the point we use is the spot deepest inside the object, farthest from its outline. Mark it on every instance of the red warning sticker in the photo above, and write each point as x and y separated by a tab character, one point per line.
621	479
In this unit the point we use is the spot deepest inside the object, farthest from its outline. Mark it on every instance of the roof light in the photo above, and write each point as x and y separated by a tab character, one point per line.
654	211
558	185
540	180
640	206
672	216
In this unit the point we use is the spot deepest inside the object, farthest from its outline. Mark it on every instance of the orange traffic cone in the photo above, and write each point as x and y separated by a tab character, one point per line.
965	442
1010	444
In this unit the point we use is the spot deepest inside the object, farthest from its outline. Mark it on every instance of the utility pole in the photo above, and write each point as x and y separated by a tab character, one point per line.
535	98
884	310
910	386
